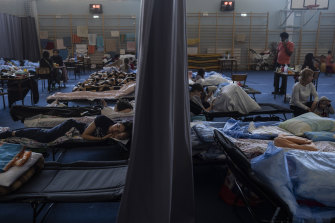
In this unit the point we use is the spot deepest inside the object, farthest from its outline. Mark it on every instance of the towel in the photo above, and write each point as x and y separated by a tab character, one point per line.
50	45
81	48
100	41
67	41
76	39
122	38
82	31
131	46
91	49
9	153
111	45
60	44
294	142
130	36
92	39
44	43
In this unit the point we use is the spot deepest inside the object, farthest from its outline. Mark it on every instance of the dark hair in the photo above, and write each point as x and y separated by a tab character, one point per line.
309	61
197	87
55	51
122	104
128	127
126	60
284	35
46	54
329	52
201	72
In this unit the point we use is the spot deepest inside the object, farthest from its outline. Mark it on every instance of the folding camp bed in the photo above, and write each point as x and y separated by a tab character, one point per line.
247	180
78	182
64	143
20	112
90	100
266	109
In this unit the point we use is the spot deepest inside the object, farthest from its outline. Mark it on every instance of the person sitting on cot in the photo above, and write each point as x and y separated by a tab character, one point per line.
198	103
301	93
100	129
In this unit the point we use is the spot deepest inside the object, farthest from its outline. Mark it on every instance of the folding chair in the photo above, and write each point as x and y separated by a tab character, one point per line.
2	93
245	178
240	78
43	73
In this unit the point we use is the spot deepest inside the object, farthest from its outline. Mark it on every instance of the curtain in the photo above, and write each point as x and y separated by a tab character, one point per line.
18	38
30	39
159	185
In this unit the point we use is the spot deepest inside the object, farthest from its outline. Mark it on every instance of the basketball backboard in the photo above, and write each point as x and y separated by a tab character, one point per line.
309	4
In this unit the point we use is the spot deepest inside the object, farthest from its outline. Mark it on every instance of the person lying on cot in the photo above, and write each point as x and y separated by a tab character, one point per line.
121	105
100	129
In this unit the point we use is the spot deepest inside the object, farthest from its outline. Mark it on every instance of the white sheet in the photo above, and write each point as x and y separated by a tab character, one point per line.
233	98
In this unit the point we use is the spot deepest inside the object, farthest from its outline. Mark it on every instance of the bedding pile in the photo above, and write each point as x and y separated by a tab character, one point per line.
127	90
104	81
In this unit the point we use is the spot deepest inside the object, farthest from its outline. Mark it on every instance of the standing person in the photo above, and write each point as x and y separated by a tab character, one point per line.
301	93
284	51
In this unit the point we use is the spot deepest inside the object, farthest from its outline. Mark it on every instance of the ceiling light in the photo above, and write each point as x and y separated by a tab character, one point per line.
244	14
95	17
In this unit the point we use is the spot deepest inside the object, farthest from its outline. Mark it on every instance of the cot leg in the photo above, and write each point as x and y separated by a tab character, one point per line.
245	200
47	212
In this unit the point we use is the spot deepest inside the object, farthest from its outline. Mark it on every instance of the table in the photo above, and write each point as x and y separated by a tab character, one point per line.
231	62
19	88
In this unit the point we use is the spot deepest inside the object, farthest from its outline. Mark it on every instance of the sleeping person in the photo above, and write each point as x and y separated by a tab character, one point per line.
121	108
100	129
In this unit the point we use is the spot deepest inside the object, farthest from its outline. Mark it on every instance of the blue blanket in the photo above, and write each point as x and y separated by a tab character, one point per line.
232	128
300	175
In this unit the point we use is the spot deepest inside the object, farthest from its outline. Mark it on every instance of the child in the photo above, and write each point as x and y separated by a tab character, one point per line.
323	107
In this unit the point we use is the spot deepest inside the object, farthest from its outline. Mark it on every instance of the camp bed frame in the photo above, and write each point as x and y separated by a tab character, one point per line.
71	183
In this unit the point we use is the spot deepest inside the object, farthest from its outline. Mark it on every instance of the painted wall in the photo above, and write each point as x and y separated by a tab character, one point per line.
13	7
80	7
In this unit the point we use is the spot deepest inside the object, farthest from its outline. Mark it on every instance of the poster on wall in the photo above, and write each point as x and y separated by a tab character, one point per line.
115	33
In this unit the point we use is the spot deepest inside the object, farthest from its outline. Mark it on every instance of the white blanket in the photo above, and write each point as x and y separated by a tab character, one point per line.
233	98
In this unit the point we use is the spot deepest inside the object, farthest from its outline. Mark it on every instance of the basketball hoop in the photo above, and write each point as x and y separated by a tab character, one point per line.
311	7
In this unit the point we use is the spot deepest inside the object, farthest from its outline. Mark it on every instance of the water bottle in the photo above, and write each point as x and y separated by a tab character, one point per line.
285	69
